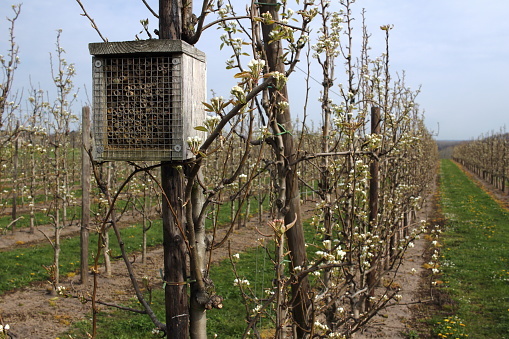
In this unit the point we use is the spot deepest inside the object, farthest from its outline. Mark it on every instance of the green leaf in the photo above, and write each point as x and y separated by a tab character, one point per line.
242	75
208	106
201	128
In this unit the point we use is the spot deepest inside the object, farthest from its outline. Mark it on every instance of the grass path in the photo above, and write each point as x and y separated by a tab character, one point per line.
22	266
475	257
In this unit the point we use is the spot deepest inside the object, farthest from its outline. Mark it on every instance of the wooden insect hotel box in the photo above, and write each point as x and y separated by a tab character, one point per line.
147	99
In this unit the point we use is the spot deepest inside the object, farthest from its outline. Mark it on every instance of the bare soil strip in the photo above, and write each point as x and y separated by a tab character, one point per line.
413	285
33	313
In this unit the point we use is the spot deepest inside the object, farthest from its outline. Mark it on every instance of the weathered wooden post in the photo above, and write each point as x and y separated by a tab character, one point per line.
85	200
15	188
176	298
374	185
175	273
504	161
374	169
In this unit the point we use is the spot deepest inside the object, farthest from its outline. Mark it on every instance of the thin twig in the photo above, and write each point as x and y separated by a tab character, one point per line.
124	308
150	9
111	202
12	223
92	22
47	237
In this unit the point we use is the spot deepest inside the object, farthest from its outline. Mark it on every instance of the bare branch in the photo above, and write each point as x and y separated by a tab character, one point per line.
234	111
92	22
111	202
9	66
199	28
150	9
120	307
13	222
46	236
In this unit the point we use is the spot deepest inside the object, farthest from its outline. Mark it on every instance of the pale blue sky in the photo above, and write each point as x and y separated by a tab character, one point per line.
458	50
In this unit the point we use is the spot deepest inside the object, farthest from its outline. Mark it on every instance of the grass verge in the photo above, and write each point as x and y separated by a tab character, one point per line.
475	259
229	322
23	266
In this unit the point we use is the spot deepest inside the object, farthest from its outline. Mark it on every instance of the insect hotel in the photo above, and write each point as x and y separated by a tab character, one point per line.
147	99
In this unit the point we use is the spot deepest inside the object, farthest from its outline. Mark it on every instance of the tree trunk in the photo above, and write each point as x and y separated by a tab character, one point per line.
198	314
280	292
65	184
106	245
106	235
56	223
290	202
32	193
56	254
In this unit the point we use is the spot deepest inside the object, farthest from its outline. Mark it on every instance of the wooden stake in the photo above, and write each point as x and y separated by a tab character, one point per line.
373	201
14	213
176	298
85	200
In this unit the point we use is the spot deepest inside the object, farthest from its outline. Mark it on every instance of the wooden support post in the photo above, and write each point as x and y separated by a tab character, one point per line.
15	188
85	200
373	200
374	169
175	273
176	298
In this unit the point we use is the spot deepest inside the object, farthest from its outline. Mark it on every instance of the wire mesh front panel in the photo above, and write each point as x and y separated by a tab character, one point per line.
138	108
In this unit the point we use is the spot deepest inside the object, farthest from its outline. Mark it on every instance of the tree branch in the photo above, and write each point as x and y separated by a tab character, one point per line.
92	22
150	9
111	203
199	28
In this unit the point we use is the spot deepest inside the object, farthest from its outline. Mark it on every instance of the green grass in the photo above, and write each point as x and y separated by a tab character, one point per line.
475	255
41	218
253	265
229	322
22	266
224	213
120	324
